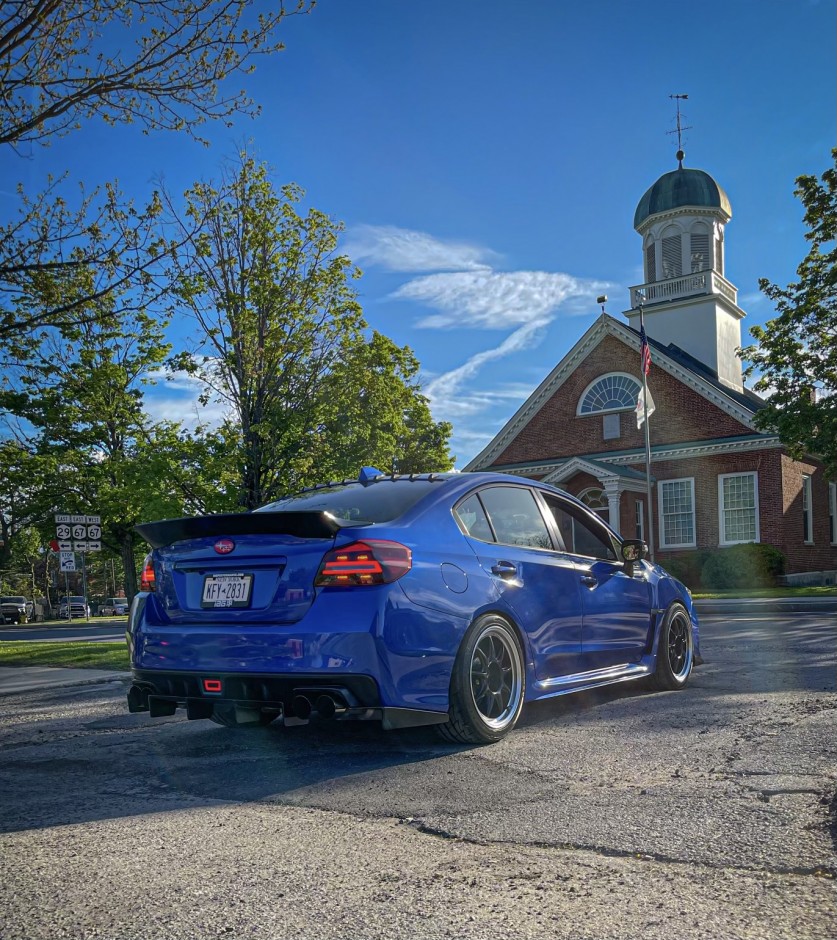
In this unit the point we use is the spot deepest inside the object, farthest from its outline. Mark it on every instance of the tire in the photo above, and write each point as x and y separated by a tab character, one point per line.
675	651
225	715
488	684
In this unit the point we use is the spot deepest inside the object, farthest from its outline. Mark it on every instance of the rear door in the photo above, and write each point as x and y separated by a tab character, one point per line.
507	530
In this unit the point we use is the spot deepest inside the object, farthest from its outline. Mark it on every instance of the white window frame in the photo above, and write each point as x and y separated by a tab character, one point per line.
722	518
661	484
603	411
808	516
832	512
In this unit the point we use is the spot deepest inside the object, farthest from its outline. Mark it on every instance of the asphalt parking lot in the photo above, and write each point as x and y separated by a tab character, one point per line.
707	813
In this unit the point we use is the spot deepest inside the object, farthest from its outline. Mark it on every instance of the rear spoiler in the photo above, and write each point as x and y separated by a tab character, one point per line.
306	525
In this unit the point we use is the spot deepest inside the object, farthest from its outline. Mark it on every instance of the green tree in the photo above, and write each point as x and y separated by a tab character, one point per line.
795	358
163	64
374	413
281	342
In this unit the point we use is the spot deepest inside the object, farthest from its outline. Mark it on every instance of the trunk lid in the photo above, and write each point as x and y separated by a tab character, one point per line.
263	573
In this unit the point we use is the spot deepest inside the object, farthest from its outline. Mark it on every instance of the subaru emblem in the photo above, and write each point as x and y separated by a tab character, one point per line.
224	546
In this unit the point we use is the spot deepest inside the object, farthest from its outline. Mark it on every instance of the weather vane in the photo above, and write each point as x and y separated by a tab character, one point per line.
680	154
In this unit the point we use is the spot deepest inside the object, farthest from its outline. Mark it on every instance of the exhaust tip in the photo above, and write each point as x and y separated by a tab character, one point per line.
326	706
302	707
137	699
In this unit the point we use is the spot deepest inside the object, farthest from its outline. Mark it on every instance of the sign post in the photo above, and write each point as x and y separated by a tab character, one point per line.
77	533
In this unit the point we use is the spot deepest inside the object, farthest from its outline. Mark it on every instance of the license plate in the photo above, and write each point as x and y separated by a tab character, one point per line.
227	590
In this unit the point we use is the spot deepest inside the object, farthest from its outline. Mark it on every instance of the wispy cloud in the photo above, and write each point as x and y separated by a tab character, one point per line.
408	251
441	390
496	299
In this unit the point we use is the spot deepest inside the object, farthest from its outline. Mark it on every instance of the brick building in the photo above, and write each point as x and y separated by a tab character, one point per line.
716	481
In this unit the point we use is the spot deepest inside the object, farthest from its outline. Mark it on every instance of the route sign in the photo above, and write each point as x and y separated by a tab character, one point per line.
67	561
79	533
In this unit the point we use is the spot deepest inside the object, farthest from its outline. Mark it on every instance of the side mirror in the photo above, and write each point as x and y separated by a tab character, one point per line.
633	550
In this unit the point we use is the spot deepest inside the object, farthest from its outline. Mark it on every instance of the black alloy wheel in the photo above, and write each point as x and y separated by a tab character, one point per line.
675	650
488	683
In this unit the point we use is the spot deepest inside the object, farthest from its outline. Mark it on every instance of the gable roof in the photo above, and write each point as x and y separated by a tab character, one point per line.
672	359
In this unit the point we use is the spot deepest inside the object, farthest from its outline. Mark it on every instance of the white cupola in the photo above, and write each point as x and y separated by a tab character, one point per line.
686	299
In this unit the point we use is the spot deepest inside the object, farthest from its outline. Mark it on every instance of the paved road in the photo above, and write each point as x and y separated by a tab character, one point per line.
106	628
709	813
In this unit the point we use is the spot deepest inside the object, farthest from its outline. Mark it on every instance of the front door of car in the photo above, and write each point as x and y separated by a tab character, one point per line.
508	533
616	602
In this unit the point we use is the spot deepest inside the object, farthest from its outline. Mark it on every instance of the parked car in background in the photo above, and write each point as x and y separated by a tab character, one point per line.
442	598
16	609
114	607
74	606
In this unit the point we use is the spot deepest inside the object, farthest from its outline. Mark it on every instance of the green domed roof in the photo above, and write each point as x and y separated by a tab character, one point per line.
682	187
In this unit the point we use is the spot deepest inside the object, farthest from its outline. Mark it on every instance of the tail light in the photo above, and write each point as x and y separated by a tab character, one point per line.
373	561
148	581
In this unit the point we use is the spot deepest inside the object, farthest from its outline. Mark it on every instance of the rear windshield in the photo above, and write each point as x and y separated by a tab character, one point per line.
376	502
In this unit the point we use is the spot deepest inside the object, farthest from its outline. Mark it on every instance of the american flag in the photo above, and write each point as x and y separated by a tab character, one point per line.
644	352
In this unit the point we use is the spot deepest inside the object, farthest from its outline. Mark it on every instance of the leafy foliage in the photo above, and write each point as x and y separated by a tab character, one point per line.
156	62
160	63
80	390
796	355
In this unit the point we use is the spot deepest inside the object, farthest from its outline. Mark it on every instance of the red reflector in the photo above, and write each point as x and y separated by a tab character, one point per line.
373	561
148	581
212	685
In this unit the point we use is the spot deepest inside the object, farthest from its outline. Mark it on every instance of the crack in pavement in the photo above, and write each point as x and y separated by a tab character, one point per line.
820	871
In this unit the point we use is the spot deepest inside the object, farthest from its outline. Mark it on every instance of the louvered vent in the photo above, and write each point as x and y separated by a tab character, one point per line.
651	263
672	257
700	252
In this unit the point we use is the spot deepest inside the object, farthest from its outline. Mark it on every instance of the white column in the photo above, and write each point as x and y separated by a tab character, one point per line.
611	488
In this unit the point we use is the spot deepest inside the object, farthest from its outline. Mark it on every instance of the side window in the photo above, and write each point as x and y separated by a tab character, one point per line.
472	516
581	534
515	516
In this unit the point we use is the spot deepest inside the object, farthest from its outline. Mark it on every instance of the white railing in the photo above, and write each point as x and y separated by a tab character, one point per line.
689	285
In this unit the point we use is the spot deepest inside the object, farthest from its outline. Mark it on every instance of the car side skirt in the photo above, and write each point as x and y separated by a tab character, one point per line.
563	685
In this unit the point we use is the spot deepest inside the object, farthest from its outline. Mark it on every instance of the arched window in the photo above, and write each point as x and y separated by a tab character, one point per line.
595	499
612	392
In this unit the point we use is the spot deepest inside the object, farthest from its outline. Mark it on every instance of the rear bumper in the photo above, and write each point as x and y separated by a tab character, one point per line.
403	651
287	696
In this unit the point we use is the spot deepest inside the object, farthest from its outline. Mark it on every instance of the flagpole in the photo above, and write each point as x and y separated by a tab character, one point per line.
647	444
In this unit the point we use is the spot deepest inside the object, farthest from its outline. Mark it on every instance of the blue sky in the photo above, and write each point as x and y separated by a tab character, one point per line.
487	157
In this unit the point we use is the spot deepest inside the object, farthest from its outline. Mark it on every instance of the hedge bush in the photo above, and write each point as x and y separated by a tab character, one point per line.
687	567
750	565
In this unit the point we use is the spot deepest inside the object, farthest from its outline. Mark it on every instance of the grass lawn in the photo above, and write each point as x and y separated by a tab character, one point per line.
96	655
810	591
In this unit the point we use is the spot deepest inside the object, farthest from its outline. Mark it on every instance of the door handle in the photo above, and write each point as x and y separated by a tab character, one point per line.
504	569
589	580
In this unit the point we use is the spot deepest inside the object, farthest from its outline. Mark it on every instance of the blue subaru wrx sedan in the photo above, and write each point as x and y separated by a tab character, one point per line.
442	598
